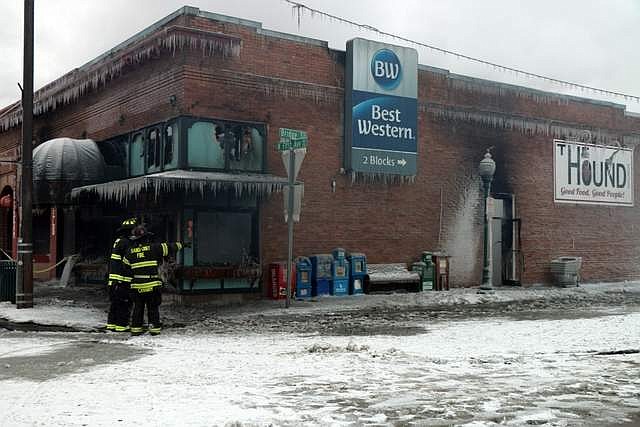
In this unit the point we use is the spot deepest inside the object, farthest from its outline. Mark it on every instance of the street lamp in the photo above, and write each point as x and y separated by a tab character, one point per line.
487	168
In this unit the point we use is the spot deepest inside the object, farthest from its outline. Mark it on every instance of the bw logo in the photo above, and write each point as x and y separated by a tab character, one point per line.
386	69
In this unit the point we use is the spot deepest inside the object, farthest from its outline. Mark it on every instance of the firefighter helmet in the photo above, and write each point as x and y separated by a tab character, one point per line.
127	225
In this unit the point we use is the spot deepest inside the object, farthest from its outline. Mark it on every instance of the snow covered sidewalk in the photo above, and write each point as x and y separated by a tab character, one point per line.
548	370
72	308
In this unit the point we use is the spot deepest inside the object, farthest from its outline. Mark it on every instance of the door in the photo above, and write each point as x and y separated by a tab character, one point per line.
496	234
506	255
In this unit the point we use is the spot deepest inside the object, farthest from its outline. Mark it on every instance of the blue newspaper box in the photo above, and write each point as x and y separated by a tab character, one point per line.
303	277
357	272
321	267
340	273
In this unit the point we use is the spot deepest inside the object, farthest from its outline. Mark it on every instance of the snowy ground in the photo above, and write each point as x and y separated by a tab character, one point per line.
551	357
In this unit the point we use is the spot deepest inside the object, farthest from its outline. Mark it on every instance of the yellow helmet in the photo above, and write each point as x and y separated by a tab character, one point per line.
127	225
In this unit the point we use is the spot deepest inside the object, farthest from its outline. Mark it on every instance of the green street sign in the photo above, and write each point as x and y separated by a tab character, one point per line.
292	134
291	144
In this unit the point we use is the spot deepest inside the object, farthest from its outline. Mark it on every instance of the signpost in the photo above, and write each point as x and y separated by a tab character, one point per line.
293	145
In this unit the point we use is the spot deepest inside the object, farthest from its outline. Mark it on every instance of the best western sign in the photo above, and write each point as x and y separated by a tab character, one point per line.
381	108
593	174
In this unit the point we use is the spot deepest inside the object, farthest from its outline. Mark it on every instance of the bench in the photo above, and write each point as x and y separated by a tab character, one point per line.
391	277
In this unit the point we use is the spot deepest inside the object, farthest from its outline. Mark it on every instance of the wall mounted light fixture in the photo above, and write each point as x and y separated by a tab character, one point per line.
333	184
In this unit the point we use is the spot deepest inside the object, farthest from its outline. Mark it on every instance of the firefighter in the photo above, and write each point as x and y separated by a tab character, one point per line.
120	307
142	261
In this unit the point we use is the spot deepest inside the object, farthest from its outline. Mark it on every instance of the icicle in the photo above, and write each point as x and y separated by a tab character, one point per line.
73	85
515	123
202	183
379	178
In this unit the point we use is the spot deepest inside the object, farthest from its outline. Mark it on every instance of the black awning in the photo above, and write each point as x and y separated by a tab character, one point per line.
68	160
242	184
64	163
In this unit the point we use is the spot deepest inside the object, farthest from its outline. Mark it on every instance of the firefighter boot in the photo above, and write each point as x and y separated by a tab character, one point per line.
155	329
136	330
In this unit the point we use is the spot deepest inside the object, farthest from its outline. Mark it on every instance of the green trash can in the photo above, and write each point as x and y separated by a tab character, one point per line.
429	271
425	268
8	281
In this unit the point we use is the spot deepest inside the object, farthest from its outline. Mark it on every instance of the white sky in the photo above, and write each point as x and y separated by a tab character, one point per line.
592	43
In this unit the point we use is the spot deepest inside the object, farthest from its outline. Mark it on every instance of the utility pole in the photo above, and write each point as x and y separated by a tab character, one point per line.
24	277
291	184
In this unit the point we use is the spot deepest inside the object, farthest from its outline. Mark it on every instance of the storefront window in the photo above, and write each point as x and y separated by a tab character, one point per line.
205	148
171	135
136	156
224	145
115	156
246	150
223	237
154	149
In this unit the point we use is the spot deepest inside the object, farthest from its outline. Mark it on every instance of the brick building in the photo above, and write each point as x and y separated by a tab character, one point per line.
187	115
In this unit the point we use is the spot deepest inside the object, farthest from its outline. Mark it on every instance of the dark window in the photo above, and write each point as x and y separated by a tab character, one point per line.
152	149
115	156
245	149
223	237
168	144
136	158
114	151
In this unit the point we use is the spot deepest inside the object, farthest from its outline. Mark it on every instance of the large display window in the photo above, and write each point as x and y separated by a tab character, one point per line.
225	146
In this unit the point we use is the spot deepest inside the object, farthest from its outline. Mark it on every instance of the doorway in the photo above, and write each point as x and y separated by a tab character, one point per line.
507	259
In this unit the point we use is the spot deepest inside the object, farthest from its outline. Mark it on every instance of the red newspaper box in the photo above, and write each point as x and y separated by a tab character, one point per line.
278	280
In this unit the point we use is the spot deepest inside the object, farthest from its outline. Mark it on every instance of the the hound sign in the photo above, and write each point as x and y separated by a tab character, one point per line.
593	174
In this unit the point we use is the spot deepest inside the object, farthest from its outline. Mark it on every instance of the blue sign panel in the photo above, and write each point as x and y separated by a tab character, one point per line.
384	134
384	122
381	132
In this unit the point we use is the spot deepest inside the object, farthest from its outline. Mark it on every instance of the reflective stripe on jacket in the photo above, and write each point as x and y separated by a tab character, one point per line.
117	271
142	261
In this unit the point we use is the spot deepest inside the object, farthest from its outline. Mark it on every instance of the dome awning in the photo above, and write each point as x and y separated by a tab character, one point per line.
68	160
64	163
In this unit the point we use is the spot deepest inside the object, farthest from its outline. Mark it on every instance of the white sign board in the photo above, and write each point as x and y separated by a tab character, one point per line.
298	157
592	174
298	193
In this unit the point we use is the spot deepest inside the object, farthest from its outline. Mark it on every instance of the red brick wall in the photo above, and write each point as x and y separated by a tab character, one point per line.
284	83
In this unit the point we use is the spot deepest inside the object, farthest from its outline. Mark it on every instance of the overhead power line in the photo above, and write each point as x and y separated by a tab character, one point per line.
299	8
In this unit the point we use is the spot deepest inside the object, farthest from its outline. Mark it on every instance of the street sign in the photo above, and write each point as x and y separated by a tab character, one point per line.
291	144
298	157
291	139
292	134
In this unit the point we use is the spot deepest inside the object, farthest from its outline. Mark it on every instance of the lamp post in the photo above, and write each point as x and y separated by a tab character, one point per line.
487	168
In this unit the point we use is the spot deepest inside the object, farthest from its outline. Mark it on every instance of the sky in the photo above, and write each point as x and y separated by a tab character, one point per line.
590	43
